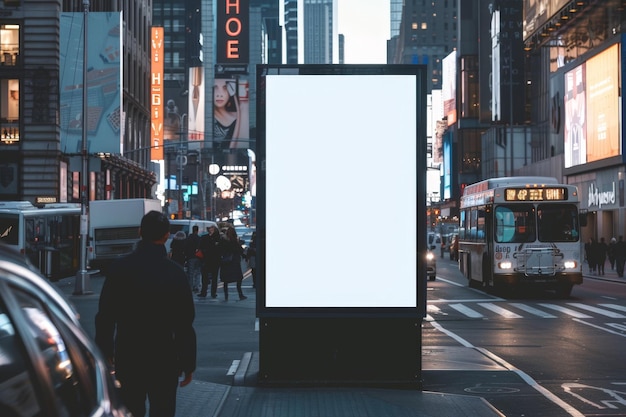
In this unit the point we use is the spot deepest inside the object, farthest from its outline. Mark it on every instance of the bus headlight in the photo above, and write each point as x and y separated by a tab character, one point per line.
430	256
505	265
569	264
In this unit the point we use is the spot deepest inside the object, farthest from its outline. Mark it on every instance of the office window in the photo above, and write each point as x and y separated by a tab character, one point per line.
9	44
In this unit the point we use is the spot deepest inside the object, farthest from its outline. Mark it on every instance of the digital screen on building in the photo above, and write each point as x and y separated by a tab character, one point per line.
592	109
341	195
535	194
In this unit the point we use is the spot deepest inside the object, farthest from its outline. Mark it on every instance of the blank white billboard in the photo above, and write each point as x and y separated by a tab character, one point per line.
341	173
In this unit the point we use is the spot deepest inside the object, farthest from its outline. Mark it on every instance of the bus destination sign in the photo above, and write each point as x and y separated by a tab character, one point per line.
535	194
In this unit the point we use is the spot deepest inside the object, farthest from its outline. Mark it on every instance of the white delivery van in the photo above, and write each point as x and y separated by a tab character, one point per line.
114	228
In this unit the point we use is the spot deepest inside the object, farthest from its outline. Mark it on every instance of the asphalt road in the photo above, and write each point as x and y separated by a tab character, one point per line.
563	357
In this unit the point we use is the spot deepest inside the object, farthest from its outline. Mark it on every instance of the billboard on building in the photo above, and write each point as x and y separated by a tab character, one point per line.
156	93
231	103
592	109
104	80
449	88
196	104
538	12
233	32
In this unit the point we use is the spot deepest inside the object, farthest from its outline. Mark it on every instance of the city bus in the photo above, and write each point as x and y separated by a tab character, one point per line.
519	231
49	237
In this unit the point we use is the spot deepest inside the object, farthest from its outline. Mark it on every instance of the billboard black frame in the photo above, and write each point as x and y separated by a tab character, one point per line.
320	331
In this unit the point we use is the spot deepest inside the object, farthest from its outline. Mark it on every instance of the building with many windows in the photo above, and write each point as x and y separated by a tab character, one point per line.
38	112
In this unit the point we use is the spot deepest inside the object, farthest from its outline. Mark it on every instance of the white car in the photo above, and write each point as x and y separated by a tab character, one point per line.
49	365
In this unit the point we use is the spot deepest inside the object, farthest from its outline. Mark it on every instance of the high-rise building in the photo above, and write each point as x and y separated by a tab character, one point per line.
320	32
311	32
426	35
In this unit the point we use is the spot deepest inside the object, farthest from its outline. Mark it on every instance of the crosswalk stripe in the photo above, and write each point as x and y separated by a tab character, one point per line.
566	310
614	307
599	310
533	310
467	311
501	311
470	312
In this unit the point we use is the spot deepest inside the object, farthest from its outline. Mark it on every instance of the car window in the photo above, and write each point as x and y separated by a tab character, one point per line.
17	392
54	342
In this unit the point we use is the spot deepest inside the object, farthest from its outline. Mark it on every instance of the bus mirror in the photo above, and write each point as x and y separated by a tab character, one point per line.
582	219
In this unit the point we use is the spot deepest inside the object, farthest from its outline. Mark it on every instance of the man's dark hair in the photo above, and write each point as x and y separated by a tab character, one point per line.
154	225
195	228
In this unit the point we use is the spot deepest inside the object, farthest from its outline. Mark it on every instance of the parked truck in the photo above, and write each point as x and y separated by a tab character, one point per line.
114	228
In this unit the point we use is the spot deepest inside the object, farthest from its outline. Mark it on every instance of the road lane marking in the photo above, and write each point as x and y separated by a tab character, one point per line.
601	328
533	310
601	311
525	377
614	307
501	311
566	310
233	367
467	311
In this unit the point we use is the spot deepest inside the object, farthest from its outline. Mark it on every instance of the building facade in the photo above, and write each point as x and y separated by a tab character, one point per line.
36	165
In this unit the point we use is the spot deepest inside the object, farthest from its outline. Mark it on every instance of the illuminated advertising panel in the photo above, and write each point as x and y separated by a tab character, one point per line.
538	12
449	88
327	170
156	93
575	127
592	111
603	105
233	32
104	78
231	112
196	104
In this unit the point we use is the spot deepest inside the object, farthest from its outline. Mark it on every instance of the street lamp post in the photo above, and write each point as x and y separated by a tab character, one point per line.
82	284
214	169
181	159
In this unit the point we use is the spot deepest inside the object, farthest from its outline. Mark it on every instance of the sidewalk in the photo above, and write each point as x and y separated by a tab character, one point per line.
243	398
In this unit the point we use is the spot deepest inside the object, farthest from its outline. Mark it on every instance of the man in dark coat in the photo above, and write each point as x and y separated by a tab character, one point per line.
620	256
210	247
145	323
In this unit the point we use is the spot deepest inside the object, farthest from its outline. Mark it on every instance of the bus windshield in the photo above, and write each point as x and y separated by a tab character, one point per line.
517	223
557	223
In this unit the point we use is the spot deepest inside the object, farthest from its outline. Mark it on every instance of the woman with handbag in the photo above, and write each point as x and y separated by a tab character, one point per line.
230	266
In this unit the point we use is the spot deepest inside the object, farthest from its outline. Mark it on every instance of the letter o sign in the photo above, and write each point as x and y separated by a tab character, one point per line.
233	26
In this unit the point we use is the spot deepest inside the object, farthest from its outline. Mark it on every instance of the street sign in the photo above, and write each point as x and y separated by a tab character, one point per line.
181	160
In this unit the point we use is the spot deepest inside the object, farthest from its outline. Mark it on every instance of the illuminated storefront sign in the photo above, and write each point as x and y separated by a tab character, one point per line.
233	31
156	94
598	197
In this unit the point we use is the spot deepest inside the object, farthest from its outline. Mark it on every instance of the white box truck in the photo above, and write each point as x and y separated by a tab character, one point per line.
114	228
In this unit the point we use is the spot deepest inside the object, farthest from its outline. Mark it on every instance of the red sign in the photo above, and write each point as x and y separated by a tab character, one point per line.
233	31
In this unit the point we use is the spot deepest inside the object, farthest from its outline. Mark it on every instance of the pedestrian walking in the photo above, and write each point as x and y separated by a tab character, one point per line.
620	256
230	265
611	253
144	324
601	251
177	248
194	263
589	255
210	247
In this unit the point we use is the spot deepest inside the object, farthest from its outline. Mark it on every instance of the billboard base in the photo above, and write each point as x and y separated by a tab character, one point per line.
346	351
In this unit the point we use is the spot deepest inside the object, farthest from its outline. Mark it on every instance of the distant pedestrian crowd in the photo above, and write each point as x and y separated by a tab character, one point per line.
597	253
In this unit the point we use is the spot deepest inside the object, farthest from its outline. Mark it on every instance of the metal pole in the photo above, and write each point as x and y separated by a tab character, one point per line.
180	166
82	284
511	101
